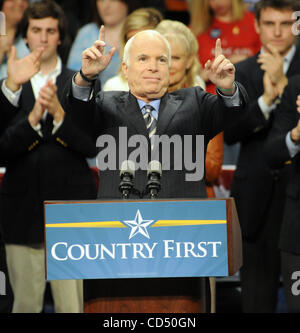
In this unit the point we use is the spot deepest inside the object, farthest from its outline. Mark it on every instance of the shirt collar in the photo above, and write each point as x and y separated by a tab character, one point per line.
155	103
55	72
289	56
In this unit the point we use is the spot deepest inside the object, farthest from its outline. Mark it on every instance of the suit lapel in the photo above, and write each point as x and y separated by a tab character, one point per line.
168	107
295	64
132	114
257	74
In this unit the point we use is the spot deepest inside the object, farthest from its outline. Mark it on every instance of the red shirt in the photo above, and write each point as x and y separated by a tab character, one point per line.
237	38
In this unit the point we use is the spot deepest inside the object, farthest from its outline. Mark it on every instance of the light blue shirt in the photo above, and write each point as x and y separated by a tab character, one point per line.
155	103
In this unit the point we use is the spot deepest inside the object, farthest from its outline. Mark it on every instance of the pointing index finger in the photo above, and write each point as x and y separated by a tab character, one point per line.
102	33
218	48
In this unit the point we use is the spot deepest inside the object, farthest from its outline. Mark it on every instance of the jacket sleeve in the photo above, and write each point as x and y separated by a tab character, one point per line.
252	121
7	111
216	116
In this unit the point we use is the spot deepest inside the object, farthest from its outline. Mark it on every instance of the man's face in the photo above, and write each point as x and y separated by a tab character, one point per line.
148	69
275	28
43	32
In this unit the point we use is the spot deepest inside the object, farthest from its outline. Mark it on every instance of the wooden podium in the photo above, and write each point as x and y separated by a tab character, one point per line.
161	294
176	303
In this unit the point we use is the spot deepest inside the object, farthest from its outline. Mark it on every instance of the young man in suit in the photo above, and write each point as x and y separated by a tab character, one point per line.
31	63
259	191
283	146
44	153
188	112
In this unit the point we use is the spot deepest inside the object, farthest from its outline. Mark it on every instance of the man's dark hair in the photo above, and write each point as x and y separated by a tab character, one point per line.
293	5
43	9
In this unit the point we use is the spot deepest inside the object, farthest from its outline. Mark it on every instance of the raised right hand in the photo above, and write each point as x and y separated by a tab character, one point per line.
94	59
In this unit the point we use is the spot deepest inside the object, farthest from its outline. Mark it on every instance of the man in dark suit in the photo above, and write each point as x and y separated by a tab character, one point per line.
188	112
44	153
283	146
258	190
29	64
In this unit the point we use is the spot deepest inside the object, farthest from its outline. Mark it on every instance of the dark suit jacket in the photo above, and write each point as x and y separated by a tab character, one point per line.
6	115
52	167
286	118
254	180
187	112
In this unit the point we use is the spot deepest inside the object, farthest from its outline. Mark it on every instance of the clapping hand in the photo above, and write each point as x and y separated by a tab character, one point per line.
272	63
19	71
47	100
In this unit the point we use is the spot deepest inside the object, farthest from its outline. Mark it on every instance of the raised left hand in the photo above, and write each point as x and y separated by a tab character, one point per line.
220	71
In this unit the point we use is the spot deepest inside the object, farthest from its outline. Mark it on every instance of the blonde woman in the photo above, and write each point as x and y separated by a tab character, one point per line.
138	20
184	73
185	68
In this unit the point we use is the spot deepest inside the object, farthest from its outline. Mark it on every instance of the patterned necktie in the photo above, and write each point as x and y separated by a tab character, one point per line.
150	122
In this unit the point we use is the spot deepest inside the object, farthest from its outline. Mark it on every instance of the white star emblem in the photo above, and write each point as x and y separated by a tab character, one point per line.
138	225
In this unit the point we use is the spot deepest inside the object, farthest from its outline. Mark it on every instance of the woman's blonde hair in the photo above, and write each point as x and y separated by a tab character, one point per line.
140	19
176	30
201	15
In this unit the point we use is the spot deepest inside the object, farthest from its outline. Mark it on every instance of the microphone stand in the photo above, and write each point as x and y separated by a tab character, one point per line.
126	185
153	185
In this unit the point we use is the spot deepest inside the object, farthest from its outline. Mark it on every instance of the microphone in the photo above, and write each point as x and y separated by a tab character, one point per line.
127	175
154	175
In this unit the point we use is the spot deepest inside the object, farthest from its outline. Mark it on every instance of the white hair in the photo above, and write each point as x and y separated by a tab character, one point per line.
152	33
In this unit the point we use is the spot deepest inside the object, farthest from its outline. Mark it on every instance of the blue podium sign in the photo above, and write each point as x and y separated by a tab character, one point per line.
135	239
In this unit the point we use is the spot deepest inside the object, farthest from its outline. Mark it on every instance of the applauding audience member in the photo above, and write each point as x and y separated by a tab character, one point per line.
259	192
44	153
283	147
